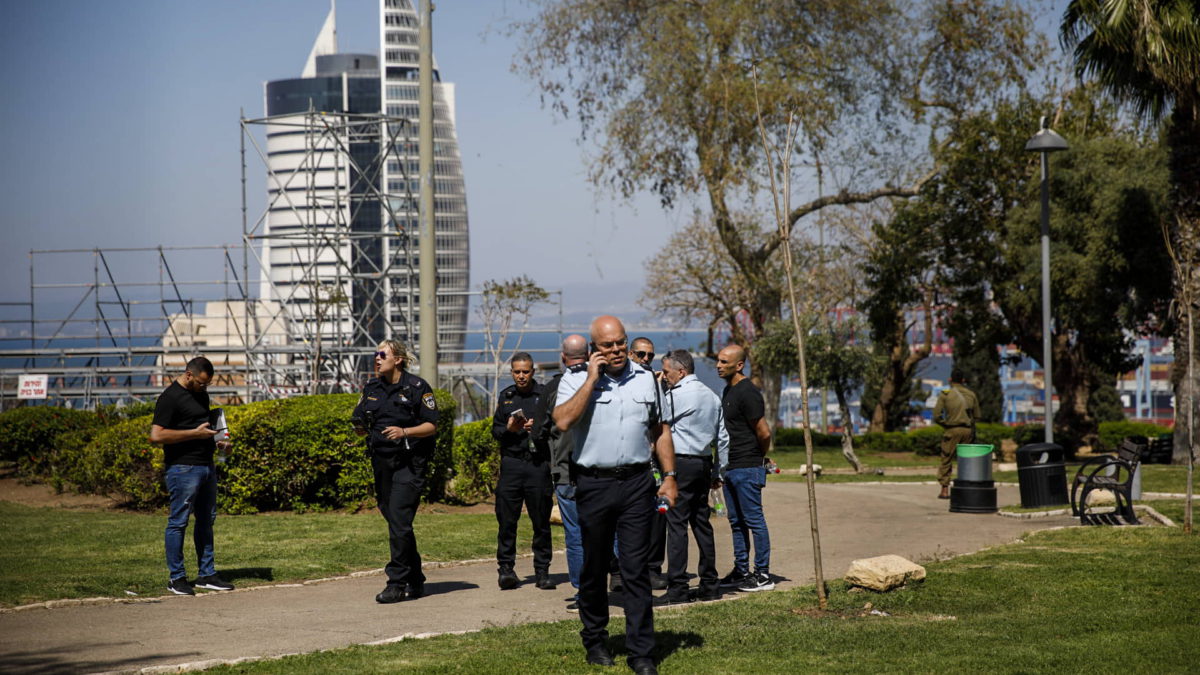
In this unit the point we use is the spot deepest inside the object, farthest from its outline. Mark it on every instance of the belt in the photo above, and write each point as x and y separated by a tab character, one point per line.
526	455
705	458
618	472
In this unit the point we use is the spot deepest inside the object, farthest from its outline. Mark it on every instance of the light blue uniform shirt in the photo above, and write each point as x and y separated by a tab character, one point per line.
694	414
614	429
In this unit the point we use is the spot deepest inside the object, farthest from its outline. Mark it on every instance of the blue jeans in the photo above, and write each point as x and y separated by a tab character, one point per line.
570	519
193	489
743	499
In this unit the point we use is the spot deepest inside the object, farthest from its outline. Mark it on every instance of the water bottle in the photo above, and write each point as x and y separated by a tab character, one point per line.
716	500
662	505
770	465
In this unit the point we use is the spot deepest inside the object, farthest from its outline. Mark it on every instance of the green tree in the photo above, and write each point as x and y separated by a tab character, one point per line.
1108	279
1147	53
668	90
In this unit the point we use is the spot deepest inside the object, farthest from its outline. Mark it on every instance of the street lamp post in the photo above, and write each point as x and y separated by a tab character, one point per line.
1046	142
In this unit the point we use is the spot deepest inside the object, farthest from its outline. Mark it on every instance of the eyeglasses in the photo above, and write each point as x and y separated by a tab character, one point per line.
382	355
649	356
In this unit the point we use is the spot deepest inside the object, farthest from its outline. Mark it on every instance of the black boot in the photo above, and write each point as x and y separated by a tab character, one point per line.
543	581
508	578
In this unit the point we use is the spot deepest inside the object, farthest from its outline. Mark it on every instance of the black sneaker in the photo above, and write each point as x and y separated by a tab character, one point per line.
393	593
734	579
760	581
657	581
181	586
213	583
544	582
416	591
507	579
573	607
668	599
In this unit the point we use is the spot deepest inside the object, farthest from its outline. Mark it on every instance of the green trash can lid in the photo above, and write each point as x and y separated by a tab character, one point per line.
974	450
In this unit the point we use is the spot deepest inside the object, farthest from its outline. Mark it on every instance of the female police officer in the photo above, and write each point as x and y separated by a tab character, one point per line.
400	413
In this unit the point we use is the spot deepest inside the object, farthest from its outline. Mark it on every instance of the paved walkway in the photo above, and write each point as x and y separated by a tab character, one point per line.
857	521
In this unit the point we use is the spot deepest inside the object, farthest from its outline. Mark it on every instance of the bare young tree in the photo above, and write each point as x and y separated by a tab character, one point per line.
1185	258
506	304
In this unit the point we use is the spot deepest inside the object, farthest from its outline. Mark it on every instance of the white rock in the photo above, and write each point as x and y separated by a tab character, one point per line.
555	516
883	573
1101	497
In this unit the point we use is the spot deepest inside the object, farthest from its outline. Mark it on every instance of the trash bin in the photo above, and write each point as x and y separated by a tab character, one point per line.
974	462
973	490
1042	475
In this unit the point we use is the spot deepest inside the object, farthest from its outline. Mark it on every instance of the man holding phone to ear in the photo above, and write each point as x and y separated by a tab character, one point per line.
614	410
524	477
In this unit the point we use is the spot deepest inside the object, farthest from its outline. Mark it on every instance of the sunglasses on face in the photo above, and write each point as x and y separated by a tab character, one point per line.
383	355
645	355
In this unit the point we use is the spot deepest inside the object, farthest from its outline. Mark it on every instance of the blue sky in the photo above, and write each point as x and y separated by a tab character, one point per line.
120	129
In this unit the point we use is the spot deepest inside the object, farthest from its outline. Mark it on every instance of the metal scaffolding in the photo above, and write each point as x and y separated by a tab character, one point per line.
115	324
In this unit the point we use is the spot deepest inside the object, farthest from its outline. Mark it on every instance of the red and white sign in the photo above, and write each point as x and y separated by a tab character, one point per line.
32	386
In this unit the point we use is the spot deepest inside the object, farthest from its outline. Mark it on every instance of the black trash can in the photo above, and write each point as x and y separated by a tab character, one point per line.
1042	475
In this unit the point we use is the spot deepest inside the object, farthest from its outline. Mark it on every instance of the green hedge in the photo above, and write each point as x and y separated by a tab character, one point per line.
1112	433
299	453
29	433
476	461
791	436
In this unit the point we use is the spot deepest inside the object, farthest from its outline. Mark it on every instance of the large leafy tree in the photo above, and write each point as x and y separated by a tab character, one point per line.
672	94
1109	279
1147	53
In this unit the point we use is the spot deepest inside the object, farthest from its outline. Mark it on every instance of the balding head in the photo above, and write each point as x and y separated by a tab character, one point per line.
608	336
730	362
574	349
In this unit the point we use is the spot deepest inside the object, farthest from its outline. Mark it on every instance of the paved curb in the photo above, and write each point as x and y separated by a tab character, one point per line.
1148	511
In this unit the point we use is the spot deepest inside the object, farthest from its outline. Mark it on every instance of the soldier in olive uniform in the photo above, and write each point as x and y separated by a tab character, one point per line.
956	410
399	412
524	476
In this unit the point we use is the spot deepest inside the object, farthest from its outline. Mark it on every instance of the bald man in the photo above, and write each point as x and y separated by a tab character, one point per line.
745	476
614	411
559	446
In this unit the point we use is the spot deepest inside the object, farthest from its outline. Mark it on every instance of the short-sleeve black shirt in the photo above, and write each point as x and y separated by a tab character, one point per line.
181	410
743	407
407	403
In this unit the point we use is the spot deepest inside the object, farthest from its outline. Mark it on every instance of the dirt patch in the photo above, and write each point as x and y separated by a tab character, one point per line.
12	490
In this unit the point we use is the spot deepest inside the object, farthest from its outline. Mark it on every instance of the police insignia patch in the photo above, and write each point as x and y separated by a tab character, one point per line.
429	401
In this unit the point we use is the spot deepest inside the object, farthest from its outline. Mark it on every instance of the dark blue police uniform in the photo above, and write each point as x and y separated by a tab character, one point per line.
524	479
399	466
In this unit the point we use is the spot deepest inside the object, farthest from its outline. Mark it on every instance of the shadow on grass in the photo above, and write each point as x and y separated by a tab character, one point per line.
667	642
264	573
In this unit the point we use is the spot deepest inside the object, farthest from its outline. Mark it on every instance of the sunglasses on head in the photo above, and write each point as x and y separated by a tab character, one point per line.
645	355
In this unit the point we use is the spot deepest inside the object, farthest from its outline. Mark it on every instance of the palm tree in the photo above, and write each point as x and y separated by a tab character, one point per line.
1147	53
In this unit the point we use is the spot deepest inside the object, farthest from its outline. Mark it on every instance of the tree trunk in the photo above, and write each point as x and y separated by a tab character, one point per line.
847	430
1183	139
900	368
1073	382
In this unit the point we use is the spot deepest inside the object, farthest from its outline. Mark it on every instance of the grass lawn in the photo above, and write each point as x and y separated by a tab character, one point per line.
52	553
1099	599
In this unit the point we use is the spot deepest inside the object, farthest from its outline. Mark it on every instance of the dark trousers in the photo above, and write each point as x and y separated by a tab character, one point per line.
398	491
524	482
694	478
607	506
658	542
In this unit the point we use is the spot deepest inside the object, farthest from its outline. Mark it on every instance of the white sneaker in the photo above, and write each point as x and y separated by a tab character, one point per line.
759	581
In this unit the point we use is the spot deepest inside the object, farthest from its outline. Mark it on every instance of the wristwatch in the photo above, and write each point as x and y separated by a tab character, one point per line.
668	474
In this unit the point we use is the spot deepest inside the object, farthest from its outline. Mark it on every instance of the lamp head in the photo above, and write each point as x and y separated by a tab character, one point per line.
1046	141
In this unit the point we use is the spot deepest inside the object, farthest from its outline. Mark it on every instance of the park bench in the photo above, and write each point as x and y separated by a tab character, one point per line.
1114	474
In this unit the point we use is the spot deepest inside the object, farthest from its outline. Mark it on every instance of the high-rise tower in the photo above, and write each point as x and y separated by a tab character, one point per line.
339	250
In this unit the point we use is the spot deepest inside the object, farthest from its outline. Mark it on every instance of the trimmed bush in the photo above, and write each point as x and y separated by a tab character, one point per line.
791	436
1112	433
298	454
30	432
992	434
884	441
1029	433
476	461
926	441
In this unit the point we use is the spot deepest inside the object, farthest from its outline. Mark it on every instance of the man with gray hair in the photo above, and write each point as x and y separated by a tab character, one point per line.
697	424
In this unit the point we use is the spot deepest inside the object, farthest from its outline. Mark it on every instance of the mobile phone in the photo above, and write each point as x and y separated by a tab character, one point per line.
519	414
592	348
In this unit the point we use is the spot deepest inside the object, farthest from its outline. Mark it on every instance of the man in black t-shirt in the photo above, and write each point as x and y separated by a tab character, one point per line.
181	426
745	475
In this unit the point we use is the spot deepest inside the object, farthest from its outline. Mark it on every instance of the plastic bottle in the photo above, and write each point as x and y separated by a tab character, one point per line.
716	500
662	505
770	465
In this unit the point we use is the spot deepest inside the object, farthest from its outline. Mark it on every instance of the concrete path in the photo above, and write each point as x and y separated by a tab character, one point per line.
857	520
